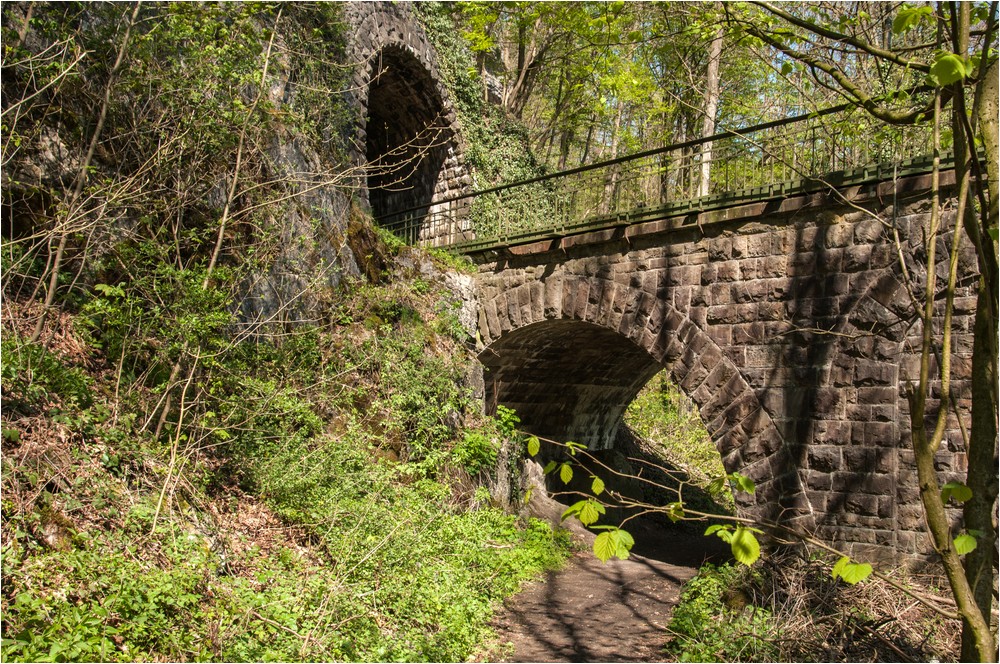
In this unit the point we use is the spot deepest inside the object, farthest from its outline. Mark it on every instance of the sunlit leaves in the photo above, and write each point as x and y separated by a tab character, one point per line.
597	486
949	68
741	539
908	17
956	490
587	511
533	446
851	573
738	481
566	473
742	483
745	546
965	543
614	542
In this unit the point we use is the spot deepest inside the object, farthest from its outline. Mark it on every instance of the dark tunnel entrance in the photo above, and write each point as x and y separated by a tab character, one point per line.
567	380
406	141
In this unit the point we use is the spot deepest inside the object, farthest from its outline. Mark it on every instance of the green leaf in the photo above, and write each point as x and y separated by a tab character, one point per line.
716	527
613	542
908	17
533	446
856	572
716	485
549	467
110	291
566	473
956	490
588	511
675	511
786	68
745	546
605	546
591	512
851	573
742	482
948	68
839	567
964	543
725	534
597	486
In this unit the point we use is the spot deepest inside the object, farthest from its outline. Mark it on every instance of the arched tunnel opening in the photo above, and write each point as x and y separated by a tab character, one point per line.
406	140
575	381
567	380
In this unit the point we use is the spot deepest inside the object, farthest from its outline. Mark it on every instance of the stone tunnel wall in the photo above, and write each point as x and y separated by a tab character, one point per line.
386	40
787	323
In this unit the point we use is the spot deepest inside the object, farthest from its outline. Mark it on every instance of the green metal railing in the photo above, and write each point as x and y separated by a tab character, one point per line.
763	162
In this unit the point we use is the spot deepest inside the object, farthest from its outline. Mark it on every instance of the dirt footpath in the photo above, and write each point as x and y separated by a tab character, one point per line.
613	612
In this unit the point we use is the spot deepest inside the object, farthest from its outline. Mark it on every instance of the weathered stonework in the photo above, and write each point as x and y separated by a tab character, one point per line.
397	93
787	323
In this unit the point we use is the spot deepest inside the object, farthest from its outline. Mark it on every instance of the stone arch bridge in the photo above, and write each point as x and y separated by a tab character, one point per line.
780	306
787	322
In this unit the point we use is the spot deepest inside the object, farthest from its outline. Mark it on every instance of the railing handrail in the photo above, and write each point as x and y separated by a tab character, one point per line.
729	133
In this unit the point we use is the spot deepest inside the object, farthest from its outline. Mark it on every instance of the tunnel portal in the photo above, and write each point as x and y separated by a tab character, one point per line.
406	136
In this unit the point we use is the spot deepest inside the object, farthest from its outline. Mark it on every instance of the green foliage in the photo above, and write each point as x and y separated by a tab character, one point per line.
965	543
949	68
741	539
957	491
476	451
507	420
662	413
588	511
34	377
437	597
851	573
705	630
909	16
612	543
496	145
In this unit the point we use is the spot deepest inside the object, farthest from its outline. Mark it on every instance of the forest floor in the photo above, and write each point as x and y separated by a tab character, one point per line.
618	611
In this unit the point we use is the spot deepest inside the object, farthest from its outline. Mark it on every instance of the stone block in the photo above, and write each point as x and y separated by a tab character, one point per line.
824	458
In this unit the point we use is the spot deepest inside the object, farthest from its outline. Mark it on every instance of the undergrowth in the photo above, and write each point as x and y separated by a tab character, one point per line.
788	609
322	498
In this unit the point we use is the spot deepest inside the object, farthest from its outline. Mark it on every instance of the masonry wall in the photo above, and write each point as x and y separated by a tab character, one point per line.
788	323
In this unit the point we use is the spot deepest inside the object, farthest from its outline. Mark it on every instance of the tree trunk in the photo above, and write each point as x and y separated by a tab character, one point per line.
711	108
982	452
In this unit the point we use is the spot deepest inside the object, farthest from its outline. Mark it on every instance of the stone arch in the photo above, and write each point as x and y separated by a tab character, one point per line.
570	353
406	134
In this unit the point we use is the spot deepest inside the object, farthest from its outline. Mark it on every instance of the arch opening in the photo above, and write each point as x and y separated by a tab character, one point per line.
406	140
570	380
567	380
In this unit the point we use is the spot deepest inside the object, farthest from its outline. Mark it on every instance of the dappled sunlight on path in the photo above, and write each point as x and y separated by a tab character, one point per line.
613	612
